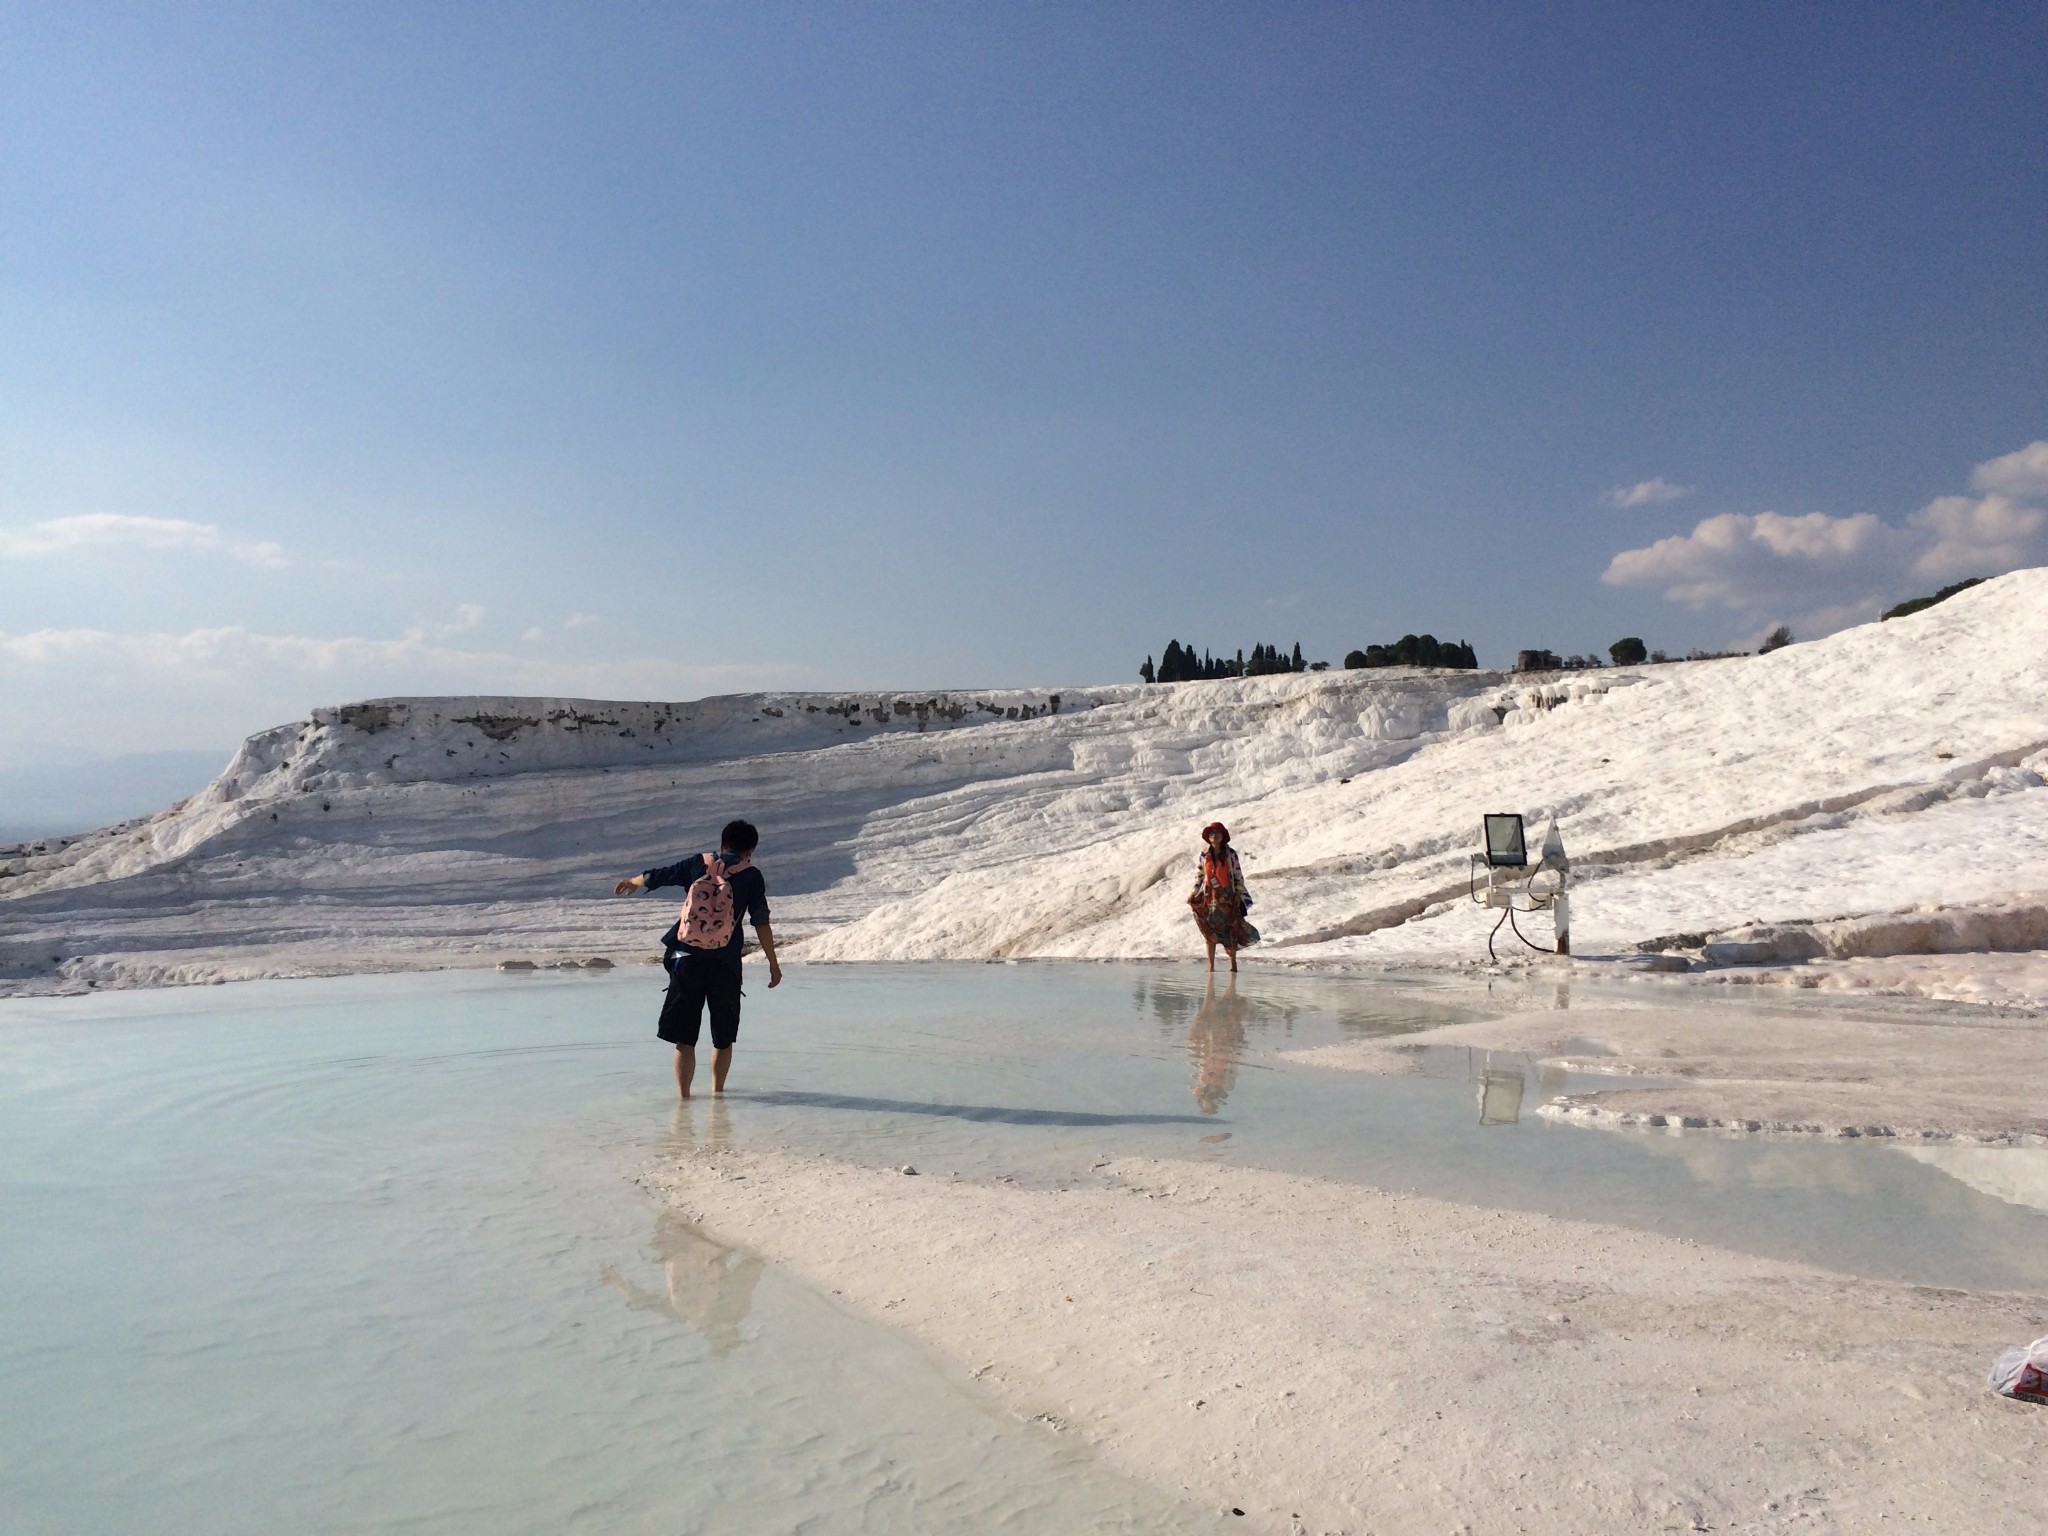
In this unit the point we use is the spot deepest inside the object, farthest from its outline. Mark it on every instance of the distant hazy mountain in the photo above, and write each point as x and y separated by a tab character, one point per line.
76	797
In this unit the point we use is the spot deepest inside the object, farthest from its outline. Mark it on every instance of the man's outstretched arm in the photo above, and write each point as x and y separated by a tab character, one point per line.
766	935
655	879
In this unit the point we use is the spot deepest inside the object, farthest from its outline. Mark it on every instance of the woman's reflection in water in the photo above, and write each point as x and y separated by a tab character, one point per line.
1216	1041
710	1287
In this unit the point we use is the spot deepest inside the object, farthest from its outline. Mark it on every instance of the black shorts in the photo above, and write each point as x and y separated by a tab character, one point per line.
696	981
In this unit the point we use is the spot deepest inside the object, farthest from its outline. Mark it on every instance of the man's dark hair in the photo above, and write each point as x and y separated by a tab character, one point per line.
739	837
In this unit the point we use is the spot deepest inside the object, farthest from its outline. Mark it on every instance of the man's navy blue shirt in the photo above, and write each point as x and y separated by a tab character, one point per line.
749	895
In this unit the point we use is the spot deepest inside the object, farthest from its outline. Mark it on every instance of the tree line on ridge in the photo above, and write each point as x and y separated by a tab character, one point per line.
1180	664
1183	664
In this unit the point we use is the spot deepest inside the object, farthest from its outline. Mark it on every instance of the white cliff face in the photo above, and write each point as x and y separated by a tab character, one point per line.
388	744
1874	794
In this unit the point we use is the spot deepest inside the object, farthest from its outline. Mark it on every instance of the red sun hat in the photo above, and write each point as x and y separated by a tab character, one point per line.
1216	826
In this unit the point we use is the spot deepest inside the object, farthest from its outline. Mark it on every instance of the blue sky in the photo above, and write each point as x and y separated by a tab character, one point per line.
655	351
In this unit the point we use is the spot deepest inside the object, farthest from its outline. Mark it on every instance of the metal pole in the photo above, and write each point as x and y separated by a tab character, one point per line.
1561	903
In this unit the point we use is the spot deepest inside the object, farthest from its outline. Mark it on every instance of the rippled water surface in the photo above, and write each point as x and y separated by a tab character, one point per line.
365	1254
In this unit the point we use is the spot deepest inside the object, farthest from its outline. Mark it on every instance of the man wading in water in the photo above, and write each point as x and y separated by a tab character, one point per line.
703	961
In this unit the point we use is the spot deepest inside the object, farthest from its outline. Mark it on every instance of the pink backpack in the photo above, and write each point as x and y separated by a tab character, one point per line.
708	915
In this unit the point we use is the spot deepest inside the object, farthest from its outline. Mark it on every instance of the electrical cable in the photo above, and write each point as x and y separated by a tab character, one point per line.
1536	904
1521	935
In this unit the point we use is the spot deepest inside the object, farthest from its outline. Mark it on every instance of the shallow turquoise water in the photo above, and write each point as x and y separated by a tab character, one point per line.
1035	1071
365	1254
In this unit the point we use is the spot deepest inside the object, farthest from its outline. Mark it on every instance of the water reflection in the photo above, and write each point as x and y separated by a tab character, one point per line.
1500	1096
1727	1163
707	1287
1216	1042
1038	1074
2016	1175
1292	1006
1505	1084
999	1114
682	1126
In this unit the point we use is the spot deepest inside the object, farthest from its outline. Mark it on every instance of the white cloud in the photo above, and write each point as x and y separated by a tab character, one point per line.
467	617
1977	536
535	633
2022	475
216	655
1816	536
230	652
267	554
1768	563
579	620
1813	623
1747	561
1646	493
103	529
99	692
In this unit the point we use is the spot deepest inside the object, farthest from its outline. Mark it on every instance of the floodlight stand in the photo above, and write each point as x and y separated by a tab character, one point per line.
1510	891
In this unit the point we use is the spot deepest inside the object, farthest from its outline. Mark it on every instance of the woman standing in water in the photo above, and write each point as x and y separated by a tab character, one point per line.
1220	900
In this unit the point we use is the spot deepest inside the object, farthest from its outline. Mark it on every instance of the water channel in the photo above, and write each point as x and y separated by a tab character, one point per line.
365	1254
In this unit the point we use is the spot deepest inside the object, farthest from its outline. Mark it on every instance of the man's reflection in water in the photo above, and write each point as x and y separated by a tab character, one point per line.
1216	1041
710	1288
682	1127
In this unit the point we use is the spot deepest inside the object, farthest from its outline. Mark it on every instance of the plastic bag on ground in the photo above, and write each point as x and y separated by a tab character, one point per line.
2023	1373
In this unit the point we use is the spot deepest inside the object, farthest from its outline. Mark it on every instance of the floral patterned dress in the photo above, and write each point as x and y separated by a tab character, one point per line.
1221	903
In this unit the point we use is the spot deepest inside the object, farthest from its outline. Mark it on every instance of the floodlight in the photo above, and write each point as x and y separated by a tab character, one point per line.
1505	847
